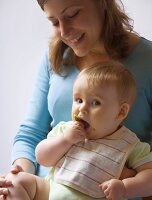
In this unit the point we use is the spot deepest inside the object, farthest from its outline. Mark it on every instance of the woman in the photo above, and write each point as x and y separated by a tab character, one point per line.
85	31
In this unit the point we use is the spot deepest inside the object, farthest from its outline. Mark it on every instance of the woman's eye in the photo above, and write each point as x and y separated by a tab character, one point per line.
73	14
55	23
95	103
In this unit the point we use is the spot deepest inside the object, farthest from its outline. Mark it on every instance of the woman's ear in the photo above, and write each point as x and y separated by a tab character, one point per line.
124	110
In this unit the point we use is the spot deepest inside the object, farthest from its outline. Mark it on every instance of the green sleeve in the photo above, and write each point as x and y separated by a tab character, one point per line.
140	155
58	129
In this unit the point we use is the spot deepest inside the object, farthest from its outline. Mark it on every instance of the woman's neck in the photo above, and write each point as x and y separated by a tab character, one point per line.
101	55
90	59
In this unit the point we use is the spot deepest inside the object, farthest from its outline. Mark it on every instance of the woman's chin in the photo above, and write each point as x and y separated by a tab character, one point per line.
80	53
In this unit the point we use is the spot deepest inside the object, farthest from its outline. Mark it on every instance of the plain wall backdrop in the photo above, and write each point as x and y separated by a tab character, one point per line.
24	36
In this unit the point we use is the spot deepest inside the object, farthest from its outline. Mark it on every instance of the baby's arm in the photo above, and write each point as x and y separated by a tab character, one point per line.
141	184
137	186
50	151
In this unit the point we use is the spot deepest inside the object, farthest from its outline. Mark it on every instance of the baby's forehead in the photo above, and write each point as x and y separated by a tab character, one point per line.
94	82
83	84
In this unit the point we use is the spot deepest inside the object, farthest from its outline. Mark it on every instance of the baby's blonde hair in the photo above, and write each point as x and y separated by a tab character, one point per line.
115	74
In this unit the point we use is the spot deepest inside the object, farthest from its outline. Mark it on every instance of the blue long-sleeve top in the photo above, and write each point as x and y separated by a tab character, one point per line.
51	102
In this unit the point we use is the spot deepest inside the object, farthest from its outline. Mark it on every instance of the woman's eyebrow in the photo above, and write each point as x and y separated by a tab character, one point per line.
63	11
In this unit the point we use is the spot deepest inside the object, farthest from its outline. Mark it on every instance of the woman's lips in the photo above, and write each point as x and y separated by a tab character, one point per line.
75	41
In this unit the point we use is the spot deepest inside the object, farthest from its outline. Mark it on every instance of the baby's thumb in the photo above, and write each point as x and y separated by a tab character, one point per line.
103	185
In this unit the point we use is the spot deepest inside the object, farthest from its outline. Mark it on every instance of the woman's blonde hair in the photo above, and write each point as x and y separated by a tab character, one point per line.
112	73
115	35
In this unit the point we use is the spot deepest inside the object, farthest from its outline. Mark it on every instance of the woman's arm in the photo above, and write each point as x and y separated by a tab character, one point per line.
36	125
127	173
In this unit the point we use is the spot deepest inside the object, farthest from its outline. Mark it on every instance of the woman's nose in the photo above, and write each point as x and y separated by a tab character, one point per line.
64	29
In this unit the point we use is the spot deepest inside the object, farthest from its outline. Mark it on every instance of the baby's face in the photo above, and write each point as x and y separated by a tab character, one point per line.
97	107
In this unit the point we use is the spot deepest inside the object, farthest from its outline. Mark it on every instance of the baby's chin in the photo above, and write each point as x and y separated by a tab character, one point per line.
91	136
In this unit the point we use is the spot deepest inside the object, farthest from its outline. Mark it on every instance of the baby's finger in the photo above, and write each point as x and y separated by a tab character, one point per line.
3	191
104	185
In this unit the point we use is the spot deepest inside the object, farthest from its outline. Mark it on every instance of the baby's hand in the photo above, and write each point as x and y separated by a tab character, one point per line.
113	189
75	133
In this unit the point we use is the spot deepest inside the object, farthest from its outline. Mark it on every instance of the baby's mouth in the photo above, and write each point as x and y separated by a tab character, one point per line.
85	124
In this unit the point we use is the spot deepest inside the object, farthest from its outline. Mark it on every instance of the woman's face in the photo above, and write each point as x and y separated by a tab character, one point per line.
78	23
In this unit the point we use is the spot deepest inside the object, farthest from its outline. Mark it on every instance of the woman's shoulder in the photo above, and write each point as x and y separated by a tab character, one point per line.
143	48
45	65
141	54
146	42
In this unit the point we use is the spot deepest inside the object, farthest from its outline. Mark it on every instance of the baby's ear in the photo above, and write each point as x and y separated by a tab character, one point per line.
124	110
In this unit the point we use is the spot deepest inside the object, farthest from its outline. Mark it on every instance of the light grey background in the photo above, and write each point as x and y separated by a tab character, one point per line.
24	35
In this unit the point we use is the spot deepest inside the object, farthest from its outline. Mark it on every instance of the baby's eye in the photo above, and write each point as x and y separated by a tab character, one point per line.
79	100
95	103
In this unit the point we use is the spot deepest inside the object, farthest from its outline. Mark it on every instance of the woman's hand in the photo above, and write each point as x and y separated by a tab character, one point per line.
4	184
15	169
127	173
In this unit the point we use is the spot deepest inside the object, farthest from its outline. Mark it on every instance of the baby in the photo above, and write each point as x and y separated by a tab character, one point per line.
87	155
